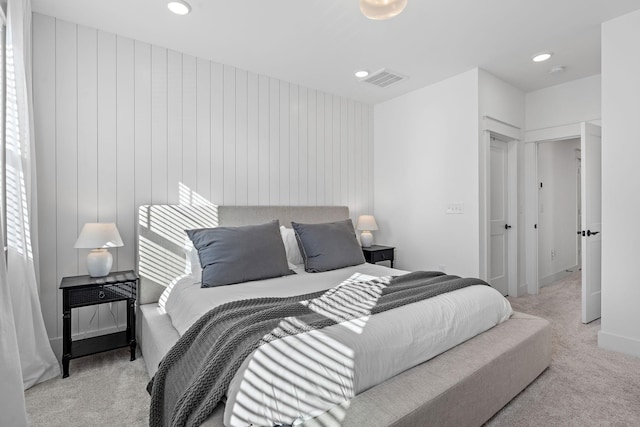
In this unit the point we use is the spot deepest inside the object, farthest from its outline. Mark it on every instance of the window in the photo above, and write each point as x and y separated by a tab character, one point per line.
3	134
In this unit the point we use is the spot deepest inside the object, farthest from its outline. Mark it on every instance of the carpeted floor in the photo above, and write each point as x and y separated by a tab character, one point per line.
584	386
105	389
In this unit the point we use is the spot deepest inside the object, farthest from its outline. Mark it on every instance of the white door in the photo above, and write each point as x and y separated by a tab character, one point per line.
498	217
591	145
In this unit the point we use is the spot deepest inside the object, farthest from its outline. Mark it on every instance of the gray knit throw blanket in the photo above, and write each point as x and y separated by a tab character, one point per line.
194	376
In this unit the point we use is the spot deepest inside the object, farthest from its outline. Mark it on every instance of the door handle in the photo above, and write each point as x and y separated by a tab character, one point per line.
507	226
592	233
579	232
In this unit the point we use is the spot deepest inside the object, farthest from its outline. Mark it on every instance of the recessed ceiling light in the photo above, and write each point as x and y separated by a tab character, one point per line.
362	74
541	57
179	7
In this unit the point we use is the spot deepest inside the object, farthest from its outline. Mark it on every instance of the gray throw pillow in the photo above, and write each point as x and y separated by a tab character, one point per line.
240	254
328	246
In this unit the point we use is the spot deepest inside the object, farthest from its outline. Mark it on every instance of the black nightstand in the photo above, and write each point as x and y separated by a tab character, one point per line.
377	253
81	291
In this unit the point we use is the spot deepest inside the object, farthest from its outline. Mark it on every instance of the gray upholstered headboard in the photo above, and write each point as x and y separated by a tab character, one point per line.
161	235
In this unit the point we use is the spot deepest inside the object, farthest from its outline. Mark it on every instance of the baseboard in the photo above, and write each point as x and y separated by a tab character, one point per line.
56	346
522	289
618	343
552	278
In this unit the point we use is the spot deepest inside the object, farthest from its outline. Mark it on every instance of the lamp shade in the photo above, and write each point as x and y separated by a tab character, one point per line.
99	235
367	223
382	9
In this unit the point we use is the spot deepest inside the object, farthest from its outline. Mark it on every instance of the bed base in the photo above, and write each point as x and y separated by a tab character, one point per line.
464	386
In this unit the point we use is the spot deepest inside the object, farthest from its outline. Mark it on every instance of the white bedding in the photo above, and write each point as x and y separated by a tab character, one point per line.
187	301
328	366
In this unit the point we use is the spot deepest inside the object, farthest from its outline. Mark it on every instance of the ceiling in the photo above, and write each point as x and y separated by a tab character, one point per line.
320	43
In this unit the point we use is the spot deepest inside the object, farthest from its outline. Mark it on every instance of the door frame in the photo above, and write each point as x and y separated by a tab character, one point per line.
532	139
578	160
512	135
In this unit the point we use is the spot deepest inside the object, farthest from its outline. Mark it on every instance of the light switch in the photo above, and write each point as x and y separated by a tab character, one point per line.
455	208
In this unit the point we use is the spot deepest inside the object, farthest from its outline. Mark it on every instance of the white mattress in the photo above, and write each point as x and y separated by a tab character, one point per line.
328	366
186	301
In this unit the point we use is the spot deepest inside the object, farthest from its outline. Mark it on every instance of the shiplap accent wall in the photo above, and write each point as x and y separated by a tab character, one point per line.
121	123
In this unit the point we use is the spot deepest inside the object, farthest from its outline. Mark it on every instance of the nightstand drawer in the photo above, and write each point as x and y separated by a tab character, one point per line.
386	255
99	294
379	253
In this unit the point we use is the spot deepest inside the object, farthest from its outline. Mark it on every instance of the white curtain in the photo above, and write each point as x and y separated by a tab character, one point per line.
12	405
38	363
12	408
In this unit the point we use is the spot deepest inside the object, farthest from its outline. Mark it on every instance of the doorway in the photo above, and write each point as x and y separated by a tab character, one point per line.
499	216
558	210
502	242
590	211
501	209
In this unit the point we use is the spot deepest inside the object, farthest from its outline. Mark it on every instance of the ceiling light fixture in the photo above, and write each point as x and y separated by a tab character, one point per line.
362	74
382	9
179	7
542	56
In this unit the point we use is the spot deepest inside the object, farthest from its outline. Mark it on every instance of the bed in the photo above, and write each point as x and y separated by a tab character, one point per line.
465	385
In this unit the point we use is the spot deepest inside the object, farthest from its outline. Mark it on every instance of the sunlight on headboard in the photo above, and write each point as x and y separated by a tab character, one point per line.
161	242
161	235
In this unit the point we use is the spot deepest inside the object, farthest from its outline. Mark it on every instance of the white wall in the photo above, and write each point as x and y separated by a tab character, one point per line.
557	212
120	123
572	102
500	100
426	156
620	178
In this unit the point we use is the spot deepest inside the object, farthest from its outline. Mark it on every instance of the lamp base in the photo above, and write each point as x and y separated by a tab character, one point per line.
366	239
99	262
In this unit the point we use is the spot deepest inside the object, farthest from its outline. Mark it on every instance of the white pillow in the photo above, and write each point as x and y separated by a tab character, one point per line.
192	259
291	246
192	270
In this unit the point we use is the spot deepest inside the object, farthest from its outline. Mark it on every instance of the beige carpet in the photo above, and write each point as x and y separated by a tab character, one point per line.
102	390
584	386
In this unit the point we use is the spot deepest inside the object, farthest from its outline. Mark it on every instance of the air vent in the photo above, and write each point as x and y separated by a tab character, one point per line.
384	78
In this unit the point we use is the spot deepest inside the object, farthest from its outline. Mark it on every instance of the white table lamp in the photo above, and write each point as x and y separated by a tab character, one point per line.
99	236
366	224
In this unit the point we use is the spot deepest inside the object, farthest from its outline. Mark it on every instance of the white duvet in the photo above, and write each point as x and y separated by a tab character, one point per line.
302	376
